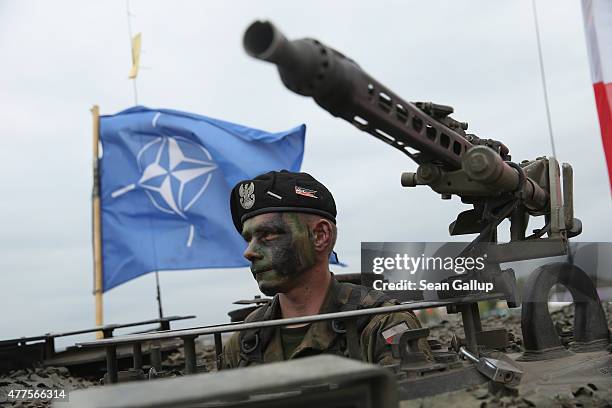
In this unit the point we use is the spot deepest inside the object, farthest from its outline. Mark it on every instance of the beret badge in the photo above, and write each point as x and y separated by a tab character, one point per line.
247	195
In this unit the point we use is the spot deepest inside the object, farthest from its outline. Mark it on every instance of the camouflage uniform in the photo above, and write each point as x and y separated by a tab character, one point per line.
265	345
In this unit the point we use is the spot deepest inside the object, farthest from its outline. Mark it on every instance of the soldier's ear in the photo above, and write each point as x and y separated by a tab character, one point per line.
322	231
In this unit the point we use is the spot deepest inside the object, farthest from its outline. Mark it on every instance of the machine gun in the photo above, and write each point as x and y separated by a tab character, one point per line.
450	160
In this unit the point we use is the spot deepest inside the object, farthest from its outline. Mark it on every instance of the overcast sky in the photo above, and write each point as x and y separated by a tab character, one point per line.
59	58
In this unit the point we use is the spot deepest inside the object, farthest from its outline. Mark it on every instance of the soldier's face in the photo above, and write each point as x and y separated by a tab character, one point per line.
280	248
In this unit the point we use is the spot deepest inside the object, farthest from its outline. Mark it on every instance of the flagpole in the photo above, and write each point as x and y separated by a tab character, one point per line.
97	228
159	302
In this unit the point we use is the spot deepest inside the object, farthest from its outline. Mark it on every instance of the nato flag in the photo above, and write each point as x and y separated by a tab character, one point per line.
165	181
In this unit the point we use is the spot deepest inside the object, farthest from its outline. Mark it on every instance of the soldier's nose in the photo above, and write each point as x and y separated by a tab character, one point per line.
250	254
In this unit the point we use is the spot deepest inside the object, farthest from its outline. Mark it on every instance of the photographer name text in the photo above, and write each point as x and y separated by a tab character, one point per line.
470	285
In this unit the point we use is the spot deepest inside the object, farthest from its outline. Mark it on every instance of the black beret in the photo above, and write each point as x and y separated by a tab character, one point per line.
280	191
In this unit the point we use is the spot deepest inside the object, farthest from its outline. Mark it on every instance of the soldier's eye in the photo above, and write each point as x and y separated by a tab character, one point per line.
270	236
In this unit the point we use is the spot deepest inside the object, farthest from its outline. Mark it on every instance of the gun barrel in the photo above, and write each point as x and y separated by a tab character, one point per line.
425	133
341	87
263	41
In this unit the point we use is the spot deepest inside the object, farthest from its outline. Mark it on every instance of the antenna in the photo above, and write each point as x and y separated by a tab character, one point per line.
543	77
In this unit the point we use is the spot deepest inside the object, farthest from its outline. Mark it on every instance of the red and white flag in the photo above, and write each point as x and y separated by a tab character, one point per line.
598	27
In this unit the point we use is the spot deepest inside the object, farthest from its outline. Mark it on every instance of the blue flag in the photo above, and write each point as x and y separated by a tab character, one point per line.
165	182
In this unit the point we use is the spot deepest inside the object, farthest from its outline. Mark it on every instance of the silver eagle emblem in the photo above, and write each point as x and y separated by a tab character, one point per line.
247	195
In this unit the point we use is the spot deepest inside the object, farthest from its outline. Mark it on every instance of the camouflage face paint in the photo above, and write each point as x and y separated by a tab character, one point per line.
281	247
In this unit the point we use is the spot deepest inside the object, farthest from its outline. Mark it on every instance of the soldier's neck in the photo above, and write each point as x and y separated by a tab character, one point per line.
306	298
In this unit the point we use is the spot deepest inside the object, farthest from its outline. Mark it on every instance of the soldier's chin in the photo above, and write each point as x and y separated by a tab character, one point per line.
269	289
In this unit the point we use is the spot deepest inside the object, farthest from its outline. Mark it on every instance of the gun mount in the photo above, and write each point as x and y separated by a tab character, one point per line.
450	160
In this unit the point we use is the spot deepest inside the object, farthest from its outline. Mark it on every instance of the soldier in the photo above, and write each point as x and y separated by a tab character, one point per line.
289	223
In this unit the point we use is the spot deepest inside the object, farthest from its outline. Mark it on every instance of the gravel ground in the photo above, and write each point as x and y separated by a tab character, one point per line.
511	321
583	395
39	379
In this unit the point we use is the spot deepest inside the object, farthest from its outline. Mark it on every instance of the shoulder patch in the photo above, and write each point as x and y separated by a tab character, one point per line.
393	331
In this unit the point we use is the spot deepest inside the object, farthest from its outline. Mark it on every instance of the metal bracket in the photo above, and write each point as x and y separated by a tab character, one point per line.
541	340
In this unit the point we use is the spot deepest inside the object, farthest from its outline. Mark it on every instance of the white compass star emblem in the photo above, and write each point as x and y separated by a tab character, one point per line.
174	174
168	176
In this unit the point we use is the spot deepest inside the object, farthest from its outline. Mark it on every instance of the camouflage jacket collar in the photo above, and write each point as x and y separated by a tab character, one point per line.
320	335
